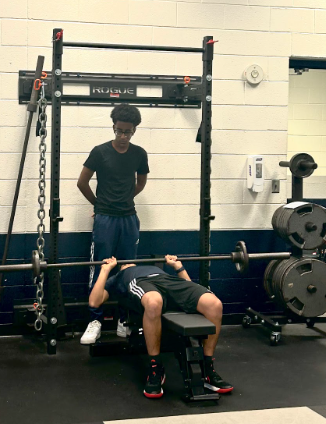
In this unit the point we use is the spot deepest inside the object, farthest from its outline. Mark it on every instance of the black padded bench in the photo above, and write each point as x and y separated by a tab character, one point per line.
188	325
191	330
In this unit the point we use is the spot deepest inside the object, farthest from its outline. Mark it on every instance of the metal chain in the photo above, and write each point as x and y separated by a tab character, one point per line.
39	281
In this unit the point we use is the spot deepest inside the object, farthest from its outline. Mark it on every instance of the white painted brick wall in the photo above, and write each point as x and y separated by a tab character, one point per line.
13	9
246	120
307	126
285	3
294	20
320	21
308	45
14	32
247	18
197	15
313	4
154	13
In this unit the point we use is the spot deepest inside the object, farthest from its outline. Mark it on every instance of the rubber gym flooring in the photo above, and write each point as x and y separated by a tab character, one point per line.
283	384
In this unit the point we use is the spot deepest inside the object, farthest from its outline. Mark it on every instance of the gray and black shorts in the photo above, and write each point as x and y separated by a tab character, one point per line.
177	293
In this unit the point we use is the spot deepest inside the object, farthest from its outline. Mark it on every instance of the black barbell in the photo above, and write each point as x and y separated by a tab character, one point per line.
240	257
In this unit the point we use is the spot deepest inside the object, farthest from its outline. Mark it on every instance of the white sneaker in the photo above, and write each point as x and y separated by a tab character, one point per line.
122	331
92	333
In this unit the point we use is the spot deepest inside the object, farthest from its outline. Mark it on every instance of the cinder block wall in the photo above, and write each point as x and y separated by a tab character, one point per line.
246	120
307	125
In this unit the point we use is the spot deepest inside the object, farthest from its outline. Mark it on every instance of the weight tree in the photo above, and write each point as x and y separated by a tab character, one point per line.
297	284
55	309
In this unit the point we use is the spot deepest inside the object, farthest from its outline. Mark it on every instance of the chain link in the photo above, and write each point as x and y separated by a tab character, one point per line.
39	281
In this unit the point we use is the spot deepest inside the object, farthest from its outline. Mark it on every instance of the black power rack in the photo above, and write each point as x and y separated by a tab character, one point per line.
109	90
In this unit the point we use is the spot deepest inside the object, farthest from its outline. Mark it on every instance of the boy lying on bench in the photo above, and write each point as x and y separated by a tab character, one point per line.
152	291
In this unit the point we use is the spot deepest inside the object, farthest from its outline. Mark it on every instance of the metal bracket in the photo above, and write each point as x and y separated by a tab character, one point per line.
111	89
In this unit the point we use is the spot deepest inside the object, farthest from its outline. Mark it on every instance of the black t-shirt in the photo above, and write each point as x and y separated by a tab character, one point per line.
119	283
116	177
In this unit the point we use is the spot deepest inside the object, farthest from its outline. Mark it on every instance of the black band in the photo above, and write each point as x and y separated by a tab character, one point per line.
180	269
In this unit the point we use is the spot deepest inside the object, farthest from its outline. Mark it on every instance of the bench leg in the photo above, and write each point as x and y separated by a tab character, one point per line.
191	361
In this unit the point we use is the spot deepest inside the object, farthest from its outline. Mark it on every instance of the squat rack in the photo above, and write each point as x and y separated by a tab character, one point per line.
55	309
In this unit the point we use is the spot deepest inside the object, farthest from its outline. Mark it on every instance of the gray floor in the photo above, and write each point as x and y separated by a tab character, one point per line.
73	388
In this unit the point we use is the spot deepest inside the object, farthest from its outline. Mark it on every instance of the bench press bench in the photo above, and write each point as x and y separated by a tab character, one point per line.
191	330
186	331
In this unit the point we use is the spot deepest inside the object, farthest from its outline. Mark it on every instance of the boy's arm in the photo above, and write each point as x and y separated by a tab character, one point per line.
140	183
99	295
83	184
176	265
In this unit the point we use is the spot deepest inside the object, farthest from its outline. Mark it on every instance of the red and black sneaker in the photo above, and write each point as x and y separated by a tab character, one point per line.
155	380
213	381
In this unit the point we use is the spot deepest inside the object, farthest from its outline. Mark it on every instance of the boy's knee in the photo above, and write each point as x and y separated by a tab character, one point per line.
211	305
153	303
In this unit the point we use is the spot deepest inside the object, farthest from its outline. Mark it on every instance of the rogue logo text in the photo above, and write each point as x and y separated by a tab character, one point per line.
113	91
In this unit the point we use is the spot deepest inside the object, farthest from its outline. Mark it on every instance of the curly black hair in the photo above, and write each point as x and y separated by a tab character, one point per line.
126	113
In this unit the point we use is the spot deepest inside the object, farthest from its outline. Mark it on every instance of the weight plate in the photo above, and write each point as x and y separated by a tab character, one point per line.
268	277
241	250
36	263
297	165
275	218
276	285
303	287
302	224
306	227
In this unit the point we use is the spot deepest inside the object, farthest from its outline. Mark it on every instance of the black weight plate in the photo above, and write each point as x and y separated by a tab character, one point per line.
298	277
302	224
36	263
241	249
278	276
275	218
283	220
295	165
275	284
306	227
280	219
268	277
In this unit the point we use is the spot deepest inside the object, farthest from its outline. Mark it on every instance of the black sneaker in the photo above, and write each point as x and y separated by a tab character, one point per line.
214	382
155	380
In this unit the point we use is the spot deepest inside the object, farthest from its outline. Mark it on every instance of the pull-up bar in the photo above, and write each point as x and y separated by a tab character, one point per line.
132	47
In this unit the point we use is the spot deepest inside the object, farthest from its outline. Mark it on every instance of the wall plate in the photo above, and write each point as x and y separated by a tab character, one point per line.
254	74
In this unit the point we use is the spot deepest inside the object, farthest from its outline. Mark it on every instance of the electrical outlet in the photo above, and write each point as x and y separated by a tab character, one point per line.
275	186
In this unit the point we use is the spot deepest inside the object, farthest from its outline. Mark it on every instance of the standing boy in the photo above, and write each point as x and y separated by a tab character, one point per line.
121	170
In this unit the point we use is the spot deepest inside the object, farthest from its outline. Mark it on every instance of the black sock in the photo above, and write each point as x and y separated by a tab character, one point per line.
155	358
209	363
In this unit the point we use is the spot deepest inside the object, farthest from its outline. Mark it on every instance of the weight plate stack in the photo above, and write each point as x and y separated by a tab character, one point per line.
302	224
299	284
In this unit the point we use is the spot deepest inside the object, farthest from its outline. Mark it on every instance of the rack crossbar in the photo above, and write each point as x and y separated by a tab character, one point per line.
128	47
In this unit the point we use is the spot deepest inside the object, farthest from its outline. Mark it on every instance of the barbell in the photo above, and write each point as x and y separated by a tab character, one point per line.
240	257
